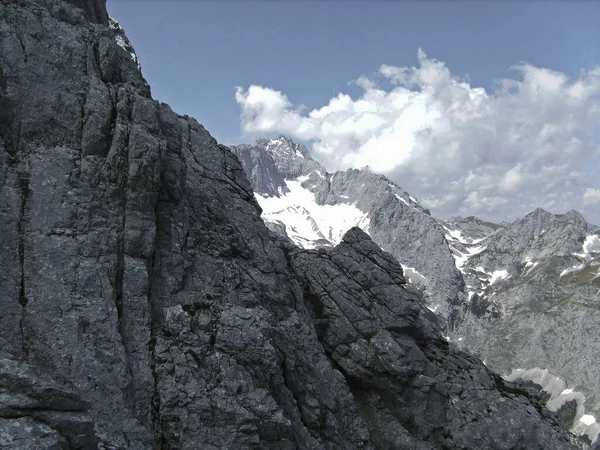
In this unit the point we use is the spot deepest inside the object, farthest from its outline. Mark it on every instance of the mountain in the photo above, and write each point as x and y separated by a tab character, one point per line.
523	296
146	305
315	208
534	296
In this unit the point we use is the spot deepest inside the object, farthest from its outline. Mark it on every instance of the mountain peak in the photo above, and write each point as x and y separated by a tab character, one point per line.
291	159
538	212
284	147
542	216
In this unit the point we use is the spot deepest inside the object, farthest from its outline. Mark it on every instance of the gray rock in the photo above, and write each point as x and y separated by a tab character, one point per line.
262	170
37	412
543	312
412	388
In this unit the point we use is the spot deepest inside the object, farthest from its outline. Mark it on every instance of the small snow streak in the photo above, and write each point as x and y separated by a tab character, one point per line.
401	199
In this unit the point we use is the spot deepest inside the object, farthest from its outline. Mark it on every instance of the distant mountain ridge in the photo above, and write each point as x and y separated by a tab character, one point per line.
533	292
481	278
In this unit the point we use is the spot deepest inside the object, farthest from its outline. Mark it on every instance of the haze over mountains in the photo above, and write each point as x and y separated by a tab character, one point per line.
523	296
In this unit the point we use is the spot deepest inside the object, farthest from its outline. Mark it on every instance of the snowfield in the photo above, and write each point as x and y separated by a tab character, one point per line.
307	222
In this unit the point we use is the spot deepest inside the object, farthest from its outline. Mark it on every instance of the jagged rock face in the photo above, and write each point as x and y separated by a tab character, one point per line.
315	208
146	305
534	287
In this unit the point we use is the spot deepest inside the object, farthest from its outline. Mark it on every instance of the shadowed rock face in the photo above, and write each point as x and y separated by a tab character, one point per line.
145	305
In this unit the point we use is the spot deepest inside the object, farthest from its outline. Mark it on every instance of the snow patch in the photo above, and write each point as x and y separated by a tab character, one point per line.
413	276
306	221
559	395
412	199
590	245
572	269
586	419
530	265
498	275
455	235
461	258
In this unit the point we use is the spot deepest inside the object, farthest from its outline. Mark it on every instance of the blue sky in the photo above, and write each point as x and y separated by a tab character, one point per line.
195	53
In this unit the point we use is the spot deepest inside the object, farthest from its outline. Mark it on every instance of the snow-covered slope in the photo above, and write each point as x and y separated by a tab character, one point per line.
568	402
307	223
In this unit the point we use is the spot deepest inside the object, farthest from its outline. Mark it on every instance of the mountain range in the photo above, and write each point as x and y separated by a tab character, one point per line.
146	305
524	297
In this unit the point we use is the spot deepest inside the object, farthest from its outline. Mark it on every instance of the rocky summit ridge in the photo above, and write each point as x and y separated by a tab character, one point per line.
145	304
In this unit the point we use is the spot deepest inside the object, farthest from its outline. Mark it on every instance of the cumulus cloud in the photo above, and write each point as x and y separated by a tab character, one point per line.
591	197
533	141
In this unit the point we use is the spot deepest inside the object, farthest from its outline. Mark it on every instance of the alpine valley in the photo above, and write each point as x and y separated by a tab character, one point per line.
144	303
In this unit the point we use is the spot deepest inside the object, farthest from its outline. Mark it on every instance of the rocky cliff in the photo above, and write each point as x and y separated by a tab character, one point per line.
145	305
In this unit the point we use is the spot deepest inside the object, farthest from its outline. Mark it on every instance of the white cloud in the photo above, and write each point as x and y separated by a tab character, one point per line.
534	141
591	196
